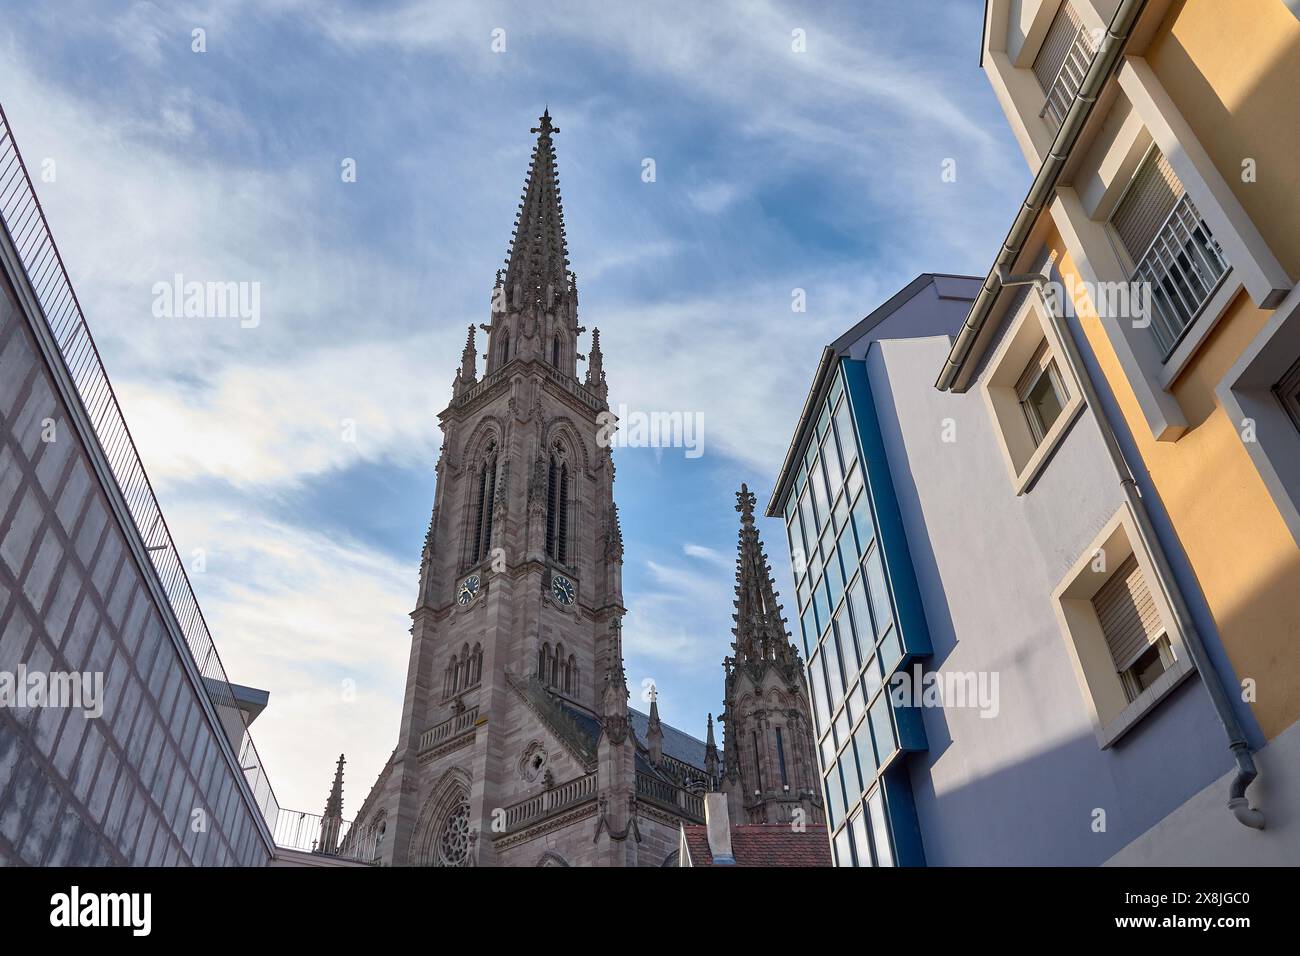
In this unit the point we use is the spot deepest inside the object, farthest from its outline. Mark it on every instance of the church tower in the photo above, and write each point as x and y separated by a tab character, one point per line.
770	765
516	745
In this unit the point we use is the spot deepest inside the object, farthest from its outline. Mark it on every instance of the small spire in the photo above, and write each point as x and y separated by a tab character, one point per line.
760	629
467	374
711	756
331	824
595	380
655	730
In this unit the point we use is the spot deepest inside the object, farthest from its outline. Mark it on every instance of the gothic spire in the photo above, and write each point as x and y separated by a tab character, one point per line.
596	367
467	374
331	823
760	629
537	267
655	730
614	697
711	755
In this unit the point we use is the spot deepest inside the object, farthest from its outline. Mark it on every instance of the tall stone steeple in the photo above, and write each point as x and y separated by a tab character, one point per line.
516	694
769	762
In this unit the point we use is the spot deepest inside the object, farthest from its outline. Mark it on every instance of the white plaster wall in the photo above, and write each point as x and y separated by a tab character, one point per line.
1202	832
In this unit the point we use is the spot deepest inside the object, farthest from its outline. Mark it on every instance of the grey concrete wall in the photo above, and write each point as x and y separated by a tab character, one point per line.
1020	788
133	786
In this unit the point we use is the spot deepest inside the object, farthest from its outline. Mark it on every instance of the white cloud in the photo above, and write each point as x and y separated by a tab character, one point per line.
298	614
264	424
710	555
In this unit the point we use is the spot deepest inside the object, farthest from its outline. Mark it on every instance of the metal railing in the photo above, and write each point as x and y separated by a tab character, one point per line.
1183	267
298	830
449	728
688	774
1068	79
24	221
670	796
542	805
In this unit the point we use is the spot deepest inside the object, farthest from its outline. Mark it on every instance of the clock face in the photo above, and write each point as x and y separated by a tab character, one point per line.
468	588
562	589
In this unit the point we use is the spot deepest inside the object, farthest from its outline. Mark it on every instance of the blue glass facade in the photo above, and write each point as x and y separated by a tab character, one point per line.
861	621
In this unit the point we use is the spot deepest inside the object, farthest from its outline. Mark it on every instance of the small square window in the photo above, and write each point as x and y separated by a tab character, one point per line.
1031	394
1122	637
1042	393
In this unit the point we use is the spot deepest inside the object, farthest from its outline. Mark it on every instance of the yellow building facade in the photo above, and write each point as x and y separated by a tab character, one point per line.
1164	219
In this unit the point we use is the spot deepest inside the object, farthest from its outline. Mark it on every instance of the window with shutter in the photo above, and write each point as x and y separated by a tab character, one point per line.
1062	62
1174	253
1131	622
1146	204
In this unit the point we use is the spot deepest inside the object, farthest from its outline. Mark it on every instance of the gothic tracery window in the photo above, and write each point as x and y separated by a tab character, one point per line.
453	837
557	506
485	486
464	670
451	678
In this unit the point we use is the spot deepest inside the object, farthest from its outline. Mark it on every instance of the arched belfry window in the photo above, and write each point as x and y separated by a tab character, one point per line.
557	507
505	346
555	350
451	678
485	487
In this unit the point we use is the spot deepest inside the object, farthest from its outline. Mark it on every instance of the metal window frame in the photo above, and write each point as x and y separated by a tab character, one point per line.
1288	393
1042	364
1183	209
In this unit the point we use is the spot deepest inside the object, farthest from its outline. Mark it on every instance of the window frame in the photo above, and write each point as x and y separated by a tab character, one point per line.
1043	364
1029	335
1101	683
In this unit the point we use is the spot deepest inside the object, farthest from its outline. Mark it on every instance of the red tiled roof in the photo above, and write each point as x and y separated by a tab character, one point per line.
765	845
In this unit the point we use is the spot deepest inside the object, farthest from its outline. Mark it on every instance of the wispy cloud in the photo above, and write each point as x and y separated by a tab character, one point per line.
777	170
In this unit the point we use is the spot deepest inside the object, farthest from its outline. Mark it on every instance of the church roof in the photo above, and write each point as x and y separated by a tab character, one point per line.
677	743
774	844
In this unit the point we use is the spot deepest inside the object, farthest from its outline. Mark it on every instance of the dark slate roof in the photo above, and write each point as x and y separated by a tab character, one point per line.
764	845
677	743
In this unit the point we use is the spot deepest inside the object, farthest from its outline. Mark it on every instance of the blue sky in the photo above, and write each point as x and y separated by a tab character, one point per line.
775	170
